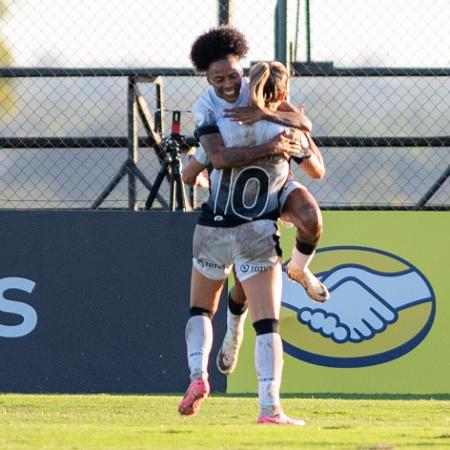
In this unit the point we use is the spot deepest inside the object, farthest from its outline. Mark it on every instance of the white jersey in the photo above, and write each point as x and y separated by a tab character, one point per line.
201	156
245	193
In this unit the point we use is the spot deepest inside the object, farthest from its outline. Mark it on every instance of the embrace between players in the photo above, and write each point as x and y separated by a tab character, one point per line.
249	136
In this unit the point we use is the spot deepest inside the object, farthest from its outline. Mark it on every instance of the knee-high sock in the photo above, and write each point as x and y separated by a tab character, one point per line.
269	367
301	260
199	337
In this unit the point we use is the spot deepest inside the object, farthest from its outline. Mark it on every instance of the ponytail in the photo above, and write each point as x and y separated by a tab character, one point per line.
267	82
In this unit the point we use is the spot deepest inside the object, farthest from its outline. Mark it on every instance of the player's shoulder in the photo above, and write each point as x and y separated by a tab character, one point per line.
205	100
205	109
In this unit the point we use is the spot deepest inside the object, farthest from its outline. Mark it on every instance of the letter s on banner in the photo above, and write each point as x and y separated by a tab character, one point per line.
14	307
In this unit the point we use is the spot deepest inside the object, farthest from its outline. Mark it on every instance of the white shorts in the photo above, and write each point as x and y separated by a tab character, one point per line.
290	185
252	247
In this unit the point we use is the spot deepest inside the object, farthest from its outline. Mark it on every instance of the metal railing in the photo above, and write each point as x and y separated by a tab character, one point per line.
137	107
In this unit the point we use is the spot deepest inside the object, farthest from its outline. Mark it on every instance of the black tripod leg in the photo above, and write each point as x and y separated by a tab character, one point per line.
156	185
148	185
180	194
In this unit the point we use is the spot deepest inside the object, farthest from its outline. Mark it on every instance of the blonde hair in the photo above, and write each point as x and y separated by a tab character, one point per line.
267	82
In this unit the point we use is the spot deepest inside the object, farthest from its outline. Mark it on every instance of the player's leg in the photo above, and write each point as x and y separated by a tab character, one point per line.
228	354
301	208
210	269
237	310
205	295
264	296
258	268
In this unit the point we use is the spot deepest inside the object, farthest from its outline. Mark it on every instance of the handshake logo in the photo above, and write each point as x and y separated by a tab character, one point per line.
380	307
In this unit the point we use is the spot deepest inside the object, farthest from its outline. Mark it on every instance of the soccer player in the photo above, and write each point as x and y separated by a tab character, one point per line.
237	225
297	206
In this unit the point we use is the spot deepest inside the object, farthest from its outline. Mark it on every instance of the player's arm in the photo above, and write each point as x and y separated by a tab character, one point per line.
205	116
290	116
191	171
312	163
194	173
222	157
286	114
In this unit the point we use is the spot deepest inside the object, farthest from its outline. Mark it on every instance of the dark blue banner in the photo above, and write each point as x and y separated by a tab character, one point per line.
96	301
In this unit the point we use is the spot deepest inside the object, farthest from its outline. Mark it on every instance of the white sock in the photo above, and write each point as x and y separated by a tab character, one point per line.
300	260
199	337
269	366
236	323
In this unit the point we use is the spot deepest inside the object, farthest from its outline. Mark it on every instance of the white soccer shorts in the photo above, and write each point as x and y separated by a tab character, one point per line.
252	247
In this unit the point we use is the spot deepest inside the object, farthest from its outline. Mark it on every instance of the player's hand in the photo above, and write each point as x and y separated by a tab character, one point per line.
302	122
245	114
202	179
286	145
305	149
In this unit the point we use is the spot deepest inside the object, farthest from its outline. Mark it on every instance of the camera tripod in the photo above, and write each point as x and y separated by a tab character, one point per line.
171	167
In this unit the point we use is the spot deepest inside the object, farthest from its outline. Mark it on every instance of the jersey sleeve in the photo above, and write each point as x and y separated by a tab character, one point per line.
201	156
205	117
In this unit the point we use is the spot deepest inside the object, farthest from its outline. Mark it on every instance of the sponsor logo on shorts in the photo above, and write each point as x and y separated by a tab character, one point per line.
380	308
209	264
245	268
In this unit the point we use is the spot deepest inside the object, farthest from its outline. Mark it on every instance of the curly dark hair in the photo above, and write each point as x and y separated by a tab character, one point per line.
217	44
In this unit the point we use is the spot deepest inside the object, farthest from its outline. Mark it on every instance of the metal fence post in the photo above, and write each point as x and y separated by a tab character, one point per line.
225	8
282	47
132	141
308	31
159	113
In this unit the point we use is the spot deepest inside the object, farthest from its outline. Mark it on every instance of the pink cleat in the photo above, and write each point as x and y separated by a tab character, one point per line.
280	419
197	391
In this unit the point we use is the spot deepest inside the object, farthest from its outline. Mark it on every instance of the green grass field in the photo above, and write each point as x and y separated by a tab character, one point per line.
152	422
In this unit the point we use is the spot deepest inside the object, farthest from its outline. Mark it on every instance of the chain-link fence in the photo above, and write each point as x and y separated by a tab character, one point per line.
87	90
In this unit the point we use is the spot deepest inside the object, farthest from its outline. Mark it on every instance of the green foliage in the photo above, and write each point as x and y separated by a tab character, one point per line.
151	422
